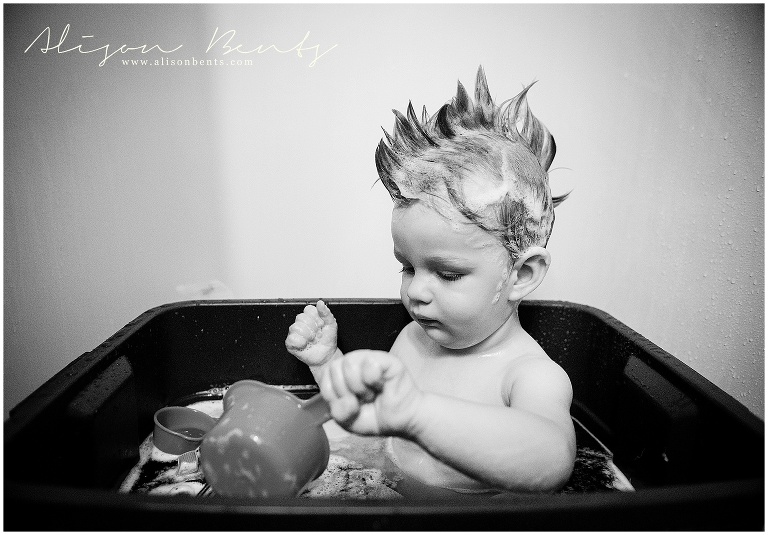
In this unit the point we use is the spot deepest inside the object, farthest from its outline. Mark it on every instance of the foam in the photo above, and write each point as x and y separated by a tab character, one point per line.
359	467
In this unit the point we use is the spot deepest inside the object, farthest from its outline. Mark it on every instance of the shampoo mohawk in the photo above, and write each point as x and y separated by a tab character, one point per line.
437	155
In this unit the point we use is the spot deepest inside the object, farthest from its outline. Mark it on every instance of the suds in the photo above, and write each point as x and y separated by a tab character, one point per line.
591	472
347	479
359	468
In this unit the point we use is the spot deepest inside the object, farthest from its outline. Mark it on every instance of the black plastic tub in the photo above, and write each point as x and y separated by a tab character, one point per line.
694	455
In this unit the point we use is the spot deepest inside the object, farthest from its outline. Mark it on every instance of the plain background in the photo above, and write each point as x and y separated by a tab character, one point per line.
127	187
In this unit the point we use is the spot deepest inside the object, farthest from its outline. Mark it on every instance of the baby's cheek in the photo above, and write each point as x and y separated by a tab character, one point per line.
460	314
404	292
475	313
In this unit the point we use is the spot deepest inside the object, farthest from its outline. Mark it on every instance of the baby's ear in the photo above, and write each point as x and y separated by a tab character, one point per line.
528	272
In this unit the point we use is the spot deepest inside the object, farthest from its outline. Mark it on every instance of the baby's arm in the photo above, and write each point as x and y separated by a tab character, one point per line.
312	338
371	393
528	445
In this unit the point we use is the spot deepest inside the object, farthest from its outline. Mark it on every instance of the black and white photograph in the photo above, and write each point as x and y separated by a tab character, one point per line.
384	266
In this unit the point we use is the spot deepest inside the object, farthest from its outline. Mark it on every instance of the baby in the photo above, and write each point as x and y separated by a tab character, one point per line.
471	401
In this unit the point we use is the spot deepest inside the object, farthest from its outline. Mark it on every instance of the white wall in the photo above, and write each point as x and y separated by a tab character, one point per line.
123	183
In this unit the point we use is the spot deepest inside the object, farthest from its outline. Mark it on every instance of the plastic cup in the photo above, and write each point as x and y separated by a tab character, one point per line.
180	429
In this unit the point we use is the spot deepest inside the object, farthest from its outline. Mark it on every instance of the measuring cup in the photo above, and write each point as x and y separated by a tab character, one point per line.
180	429
267	443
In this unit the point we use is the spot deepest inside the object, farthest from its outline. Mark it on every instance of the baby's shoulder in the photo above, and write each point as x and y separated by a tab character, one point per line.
531	362
412	337
534	375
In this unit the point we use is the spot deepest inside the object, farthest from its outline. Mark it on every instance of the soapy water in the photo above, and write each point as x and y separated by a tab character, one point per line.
357	469
360	467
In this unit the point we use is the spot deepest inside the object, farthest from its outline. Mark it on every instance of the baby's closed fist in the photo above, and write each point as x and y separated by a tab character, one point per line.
371	393
312	337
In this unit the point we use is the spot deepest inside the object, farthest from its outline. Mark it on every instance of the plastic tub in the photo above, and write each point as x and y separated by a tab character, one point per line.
694	455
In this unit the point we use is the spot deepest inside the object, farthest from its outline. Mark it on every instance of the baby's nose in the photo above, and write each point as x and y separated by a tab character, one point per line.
418	289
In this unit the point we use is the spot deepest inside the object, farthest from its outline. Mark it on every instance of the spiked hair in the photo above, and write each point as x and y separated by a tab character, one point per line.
472	155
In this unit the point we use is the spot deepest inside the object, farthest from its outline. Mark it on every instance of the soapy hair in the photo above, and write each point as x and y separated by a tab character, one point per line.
472	155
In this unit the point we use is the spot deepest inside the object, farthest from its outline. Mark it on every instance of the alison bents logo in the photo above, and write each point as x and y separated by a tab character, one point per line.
220	46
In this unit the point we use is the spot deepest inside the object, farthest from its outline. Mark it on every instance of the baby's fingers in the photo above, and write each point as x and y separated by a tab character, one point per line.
302	329
325	313
296	341
344	404
310	311
372	374
302	332
375	366
311	317
355	379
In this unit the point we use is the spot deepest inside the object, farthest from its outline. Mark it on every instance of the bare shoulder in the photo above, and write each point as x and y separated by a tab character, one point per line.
534	381
410	338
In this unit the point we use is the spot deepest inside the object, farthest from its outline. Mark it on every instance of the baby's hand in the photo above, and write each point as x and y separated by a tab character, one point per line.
371	393
312	337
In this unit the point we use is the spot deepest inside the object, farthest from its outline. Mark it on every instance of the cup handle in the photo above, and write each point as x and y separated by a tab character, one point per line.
318	408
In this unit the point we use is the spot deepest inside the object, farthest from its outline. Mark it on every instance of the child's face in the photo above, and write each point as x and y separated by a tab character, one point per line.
455	276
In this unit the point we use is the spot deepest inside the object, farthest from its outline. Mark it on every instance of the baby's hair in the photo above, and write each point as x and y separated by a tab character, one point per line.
474	156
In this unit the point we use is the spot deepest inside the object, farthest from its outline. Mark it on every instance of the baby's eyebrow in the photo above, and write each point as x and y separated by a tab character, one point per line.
447	261
438	261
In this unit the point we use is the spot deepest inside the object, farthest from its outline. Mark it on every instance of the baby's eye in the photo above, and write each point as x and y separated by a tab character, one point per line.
449	276
407	270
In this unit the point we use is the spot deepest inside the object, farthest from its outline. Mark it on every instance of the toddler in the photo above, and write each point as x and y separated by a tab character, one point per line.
471	402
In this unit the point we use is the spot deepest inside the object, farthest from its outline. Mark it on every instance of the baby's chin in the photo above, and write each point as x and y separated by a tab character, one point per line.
448	341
